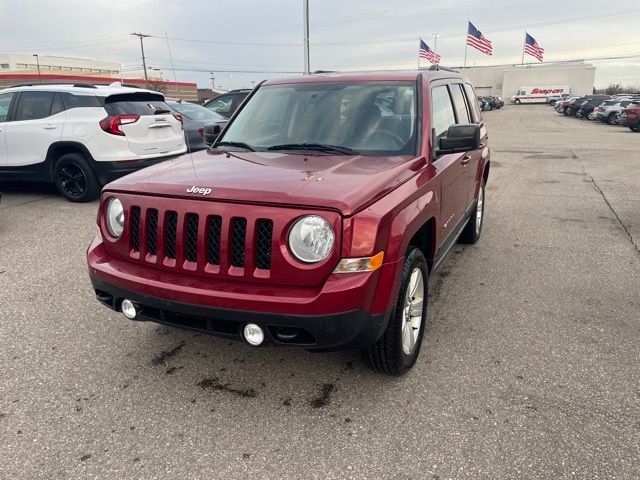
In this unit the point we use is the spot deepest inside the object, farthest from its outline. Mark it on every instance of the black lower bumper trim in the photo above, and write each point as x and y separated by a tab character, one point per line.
109	171
351	330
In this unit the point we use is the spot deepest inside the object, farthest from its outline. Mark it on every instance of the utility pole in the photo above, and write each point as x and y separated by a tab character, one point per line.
213	81
305	40
144	61
38	63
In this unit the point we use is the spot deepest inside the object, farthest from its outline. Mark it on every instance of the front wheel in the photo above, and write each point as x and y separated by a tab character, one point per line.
398	348
75	179
517	102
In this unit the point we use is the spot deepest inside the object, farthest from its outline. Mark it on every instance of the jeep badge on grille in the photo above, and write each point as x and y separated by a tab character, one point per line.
199	190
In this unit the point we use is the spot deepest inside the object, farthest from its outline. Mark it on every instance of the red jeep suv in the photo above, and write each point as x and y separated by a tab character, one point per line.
315	219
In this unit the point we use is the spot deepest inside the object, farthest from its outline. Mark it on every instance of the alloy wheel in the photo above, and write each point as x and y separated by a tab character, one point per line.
412	312
479	210
72	179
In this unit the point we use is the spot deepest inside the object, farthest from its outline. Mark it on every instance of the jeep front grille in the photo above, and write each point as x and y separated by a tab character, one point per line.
198	239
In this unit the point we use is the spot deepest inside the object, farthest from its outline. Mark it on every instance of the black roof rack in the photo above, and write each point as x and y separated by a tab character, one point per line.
438	67
80	85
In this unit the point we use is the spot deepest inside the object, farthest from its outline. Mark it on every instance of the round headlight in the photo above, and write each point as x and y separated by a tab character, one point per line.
115	217
311	239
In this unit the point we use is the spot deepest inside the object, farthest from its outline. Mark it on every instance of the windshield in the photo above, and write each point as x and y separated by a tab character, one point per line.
196	112
370	119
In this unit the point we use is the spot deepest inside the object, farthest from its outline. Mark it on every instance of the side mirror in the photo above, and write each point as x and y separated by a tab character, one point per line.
460	138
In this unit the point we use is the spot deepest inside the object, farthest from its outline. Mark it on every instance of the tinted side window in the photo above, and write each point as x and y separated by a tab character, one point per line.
473	103
34	105
74	101
441	110
57	106
221	105
460	104
5	103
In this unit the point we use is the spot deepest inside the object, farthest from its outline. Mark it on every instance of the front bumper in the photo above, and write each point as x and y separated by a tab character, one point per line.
629	122
352	330
349	311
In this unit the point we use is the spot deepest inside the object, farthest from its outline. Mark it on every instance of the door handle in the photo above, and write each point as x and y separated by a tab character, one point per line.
466	159
50	126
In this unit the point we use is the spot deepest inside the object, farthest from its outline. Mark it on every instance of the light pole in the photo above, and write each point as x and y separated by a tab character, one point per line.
121	74
38	64
435	42
230	77
305	40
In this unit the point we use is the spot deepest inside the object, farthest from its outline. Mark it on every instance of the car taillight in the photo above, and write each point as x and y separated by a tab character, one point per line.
112	123
201	132
178	117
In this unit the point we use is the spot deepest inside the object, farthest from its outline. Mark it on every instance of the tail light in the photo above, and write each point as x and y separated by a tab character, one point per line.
112	123
201	132
178	117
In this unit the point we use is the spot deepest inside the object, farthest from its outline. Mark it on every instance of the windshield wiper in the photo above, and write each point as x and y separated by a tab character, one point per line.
235	144
320	147
160	111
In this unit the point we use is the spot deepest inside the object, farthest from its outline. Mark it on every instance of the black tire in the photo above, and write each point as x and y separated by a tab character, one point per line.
517	102
473	230
387	354
613	119
75	179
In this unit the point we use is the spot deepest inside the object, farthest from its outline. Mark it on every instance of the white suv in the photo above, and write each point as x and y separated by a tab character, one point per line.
83	136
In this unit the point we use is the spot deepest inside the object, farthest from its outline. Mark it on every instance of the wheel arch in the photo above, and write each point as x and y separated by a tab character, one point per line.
425	240
58	149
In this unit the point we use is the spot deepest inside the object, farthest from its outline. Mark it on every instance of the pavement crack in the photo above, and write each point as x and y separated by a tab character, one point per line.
615	214
606	200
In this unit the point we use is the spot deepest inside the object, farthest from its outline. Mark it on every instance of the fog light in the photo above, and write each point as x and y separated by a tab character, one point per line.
128	309
253	334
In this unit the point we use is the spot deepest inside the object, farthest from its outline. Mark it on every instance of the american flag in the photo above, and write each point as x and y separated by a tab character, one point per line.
532	48
476	40
428	54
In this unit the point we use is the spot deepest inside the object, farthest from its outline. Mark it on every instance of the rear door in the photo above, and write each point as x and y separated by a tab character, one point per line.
223	105
36	123
148	123
450	167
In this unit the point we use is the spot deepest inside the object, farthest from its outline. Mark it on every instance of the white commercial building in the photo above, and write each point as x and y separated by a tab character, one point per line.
28	63
505	80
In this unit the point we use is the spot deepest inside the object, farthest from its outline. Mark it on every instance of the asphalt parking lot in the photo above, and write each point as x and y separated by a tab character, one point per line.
530	366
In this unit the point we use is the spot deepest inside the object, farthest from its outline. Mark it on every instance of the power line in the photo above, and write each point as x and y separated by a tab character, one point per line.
490	30
78	44
223	70
225	42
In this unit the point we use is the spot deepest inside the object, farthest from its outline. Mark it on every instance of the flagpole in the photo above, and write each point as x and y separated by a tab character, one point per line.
419	46
525	42
466	43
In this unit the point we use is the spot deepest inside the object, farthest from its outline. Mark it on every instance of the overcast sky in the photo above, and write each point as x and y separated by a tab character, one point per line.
370	34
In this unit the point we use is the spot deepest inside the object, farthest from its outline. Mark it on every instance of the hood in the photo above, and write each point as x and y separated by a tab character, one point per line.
340	182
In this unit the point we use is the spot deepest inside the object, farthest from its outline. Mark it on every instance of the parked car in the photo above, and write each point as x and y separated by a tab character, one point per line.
630	116
491	103
227	103
610	110
553	99
562	105
80	137
315	224
587	106
195	119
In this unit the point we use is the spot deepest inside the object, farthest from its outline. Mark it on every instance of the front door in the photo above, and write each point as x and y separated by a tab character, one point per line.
452	168
36	123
